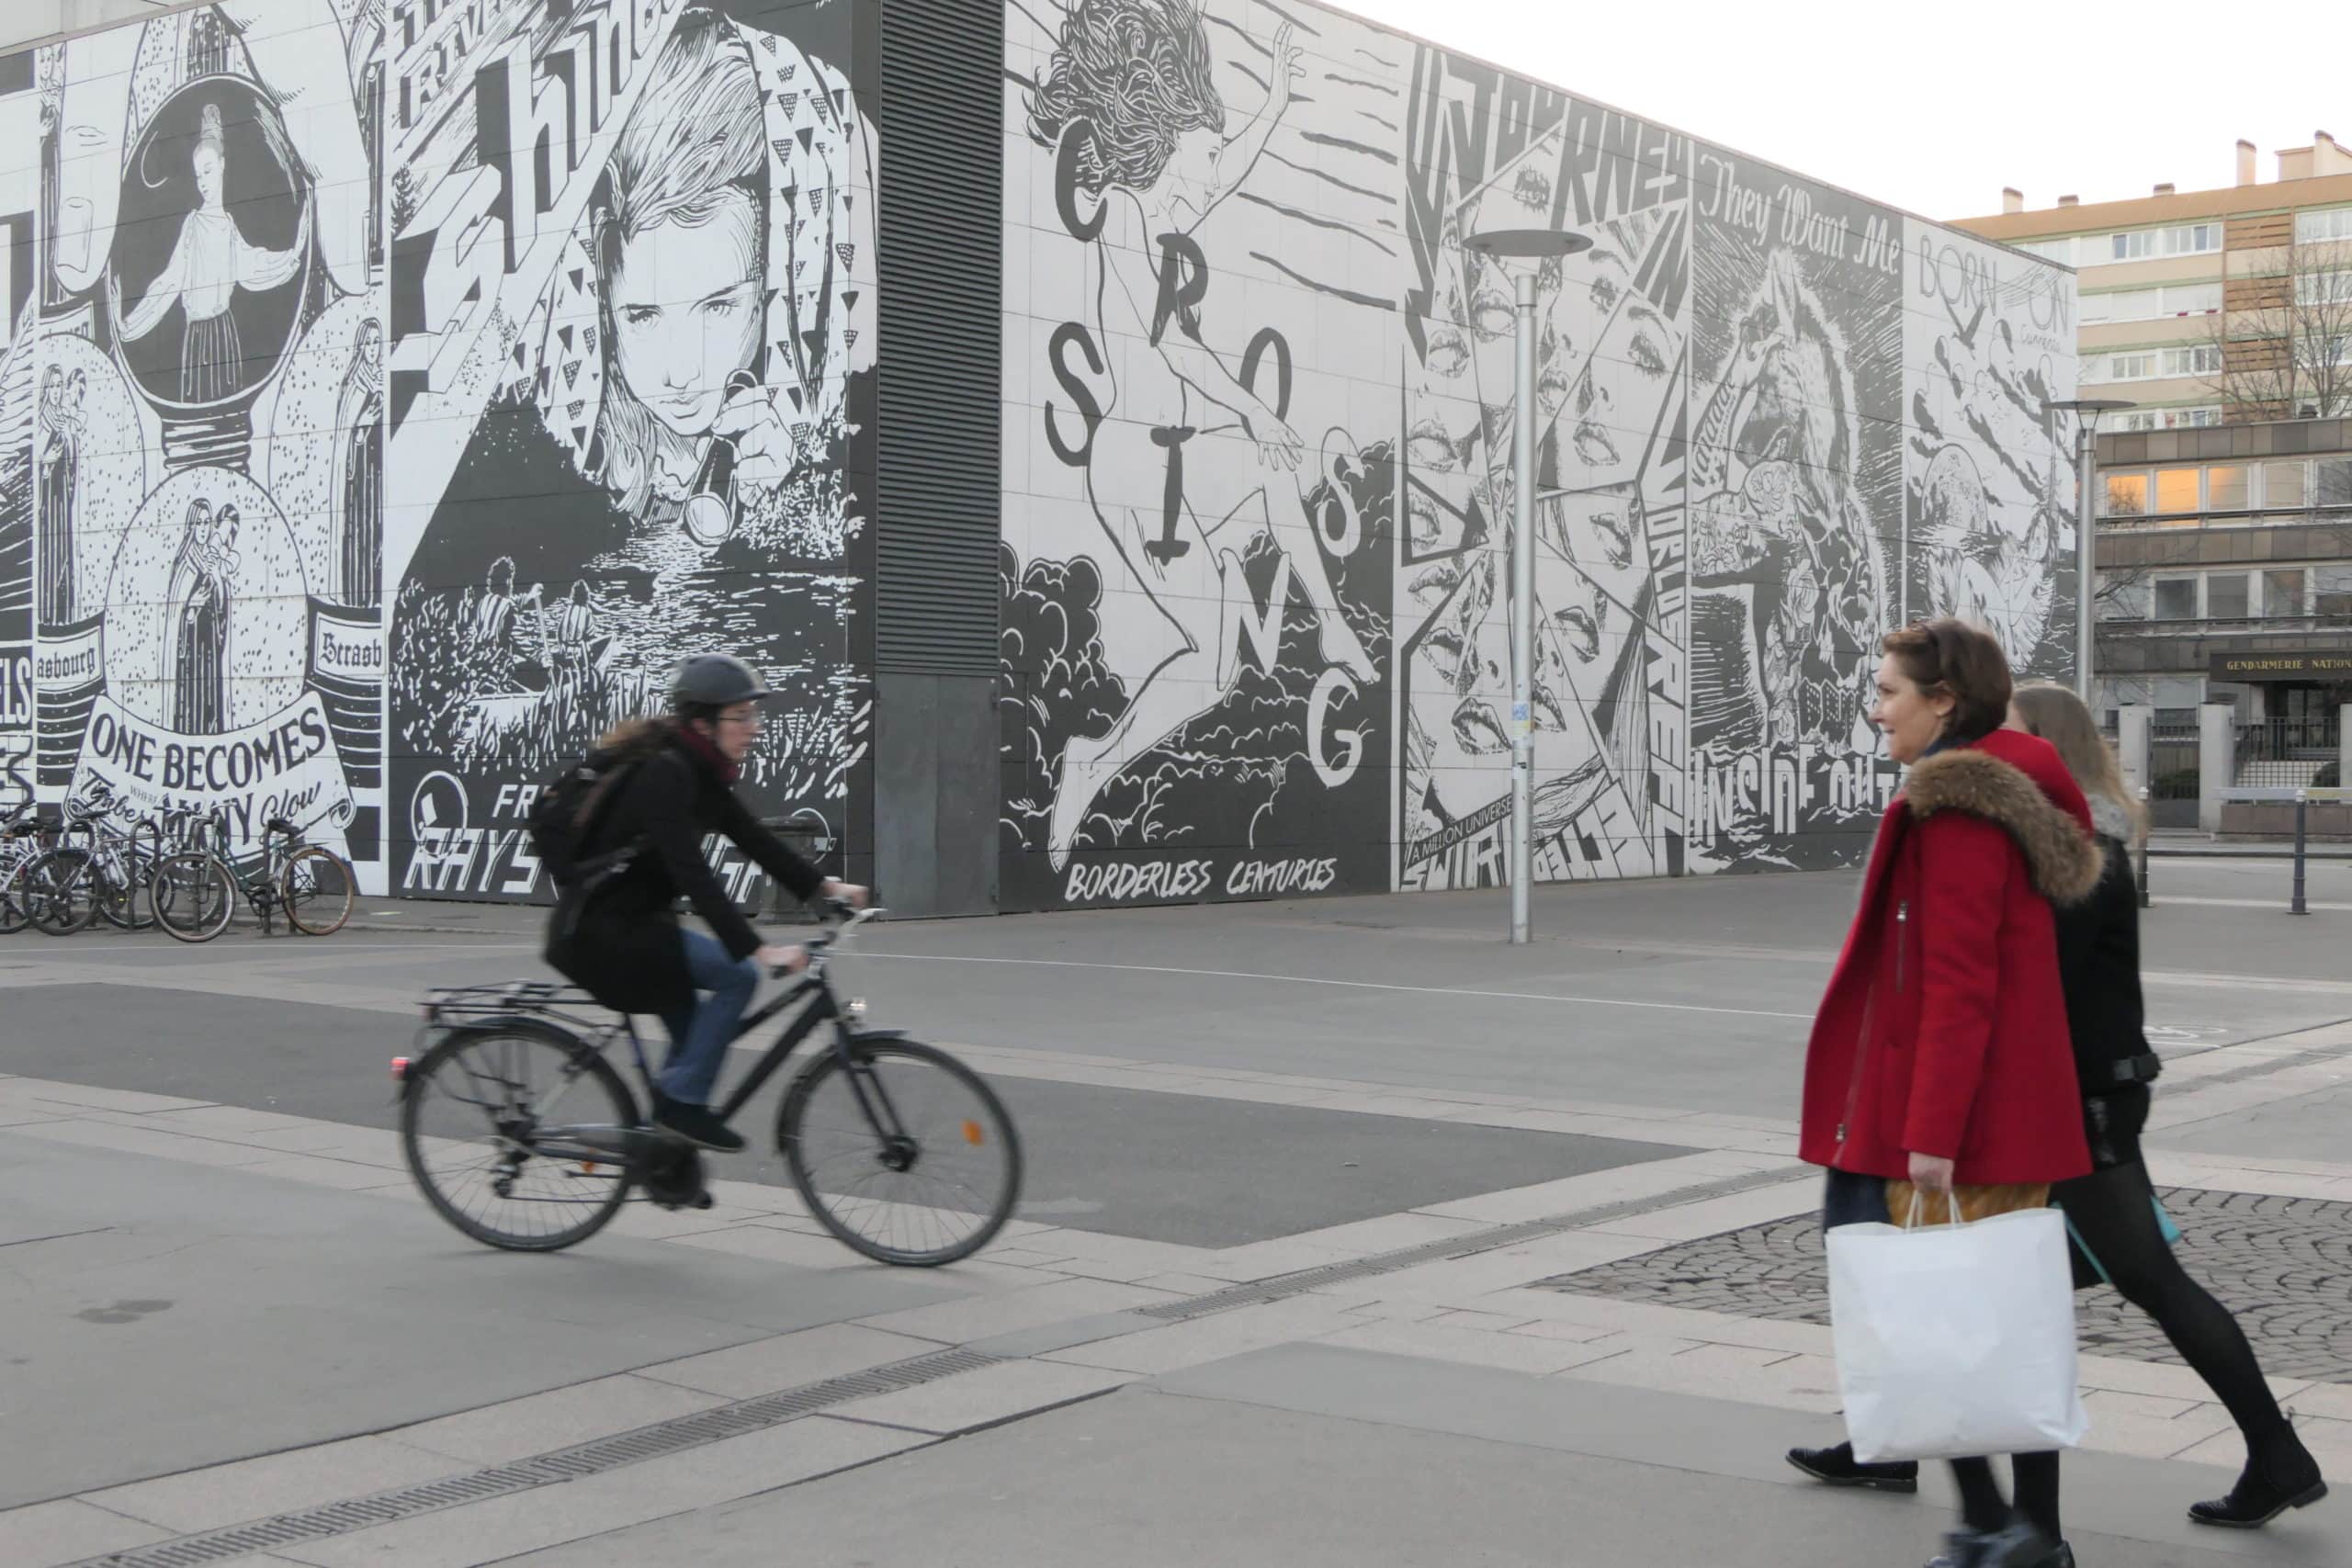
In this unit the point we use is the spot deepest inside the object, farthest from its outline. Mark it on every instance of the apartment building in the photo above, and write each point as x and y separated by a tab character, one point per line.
2225	577
2209	307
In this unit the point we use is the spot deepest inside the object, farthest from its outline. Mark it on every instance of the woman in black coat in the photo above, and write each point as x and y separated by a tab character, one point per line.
2118	1229
621	940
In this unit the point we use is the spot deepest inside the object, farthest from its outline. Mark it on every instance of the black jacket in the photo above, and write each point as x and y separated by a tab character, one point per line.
2099	965
621	942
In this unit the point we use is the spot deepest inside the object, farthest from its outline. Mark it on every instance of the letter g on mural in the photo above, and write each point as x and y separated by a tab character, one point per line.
392	389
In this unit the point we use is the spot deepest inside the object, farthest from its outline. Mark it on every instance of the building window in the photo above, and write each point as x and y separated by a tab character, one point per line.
2135	246
2318	228
2192	239
2127	496
2315	351
2140	367
2176	490
2332	591
2225	489
2285	486
2226	596
2283	594
2176	599
2334	481
2322	287
2198	359
2193	419
2059	251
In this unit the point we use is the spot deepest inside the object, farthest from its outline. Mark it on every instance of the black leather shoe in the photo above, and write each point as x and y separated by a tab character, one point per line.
1838	1467
2267	1489
698	1124
2015	1545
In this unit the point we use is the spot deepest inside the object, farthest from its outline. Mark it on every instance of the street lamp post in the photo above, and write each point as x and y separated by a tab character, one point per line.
1525	246
2087	411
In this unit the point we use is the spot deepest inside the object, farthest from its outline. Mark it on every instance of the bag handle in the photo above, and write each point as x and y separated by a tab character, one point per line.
1918	1201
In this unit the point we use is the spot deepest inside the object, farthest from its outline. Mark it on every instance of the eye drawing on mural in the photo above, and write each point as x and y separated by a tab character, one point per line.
1130	105
210	261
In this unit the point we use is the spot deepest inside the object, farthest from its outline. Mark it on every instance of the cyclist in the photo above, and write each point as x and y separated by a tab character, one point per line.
626	947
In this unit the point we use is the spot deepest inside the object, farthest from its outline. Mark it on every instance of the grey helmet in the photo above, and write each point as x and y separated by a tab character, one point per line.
714	680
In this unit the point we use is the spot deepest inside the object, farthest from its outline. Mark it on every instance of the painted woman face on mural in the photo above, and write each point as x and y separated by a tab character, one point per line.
210	165
685	311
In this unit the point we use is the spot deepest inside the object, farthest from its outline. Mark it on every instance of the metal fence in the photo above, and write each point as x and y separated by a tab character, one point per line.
2173	770
2287	753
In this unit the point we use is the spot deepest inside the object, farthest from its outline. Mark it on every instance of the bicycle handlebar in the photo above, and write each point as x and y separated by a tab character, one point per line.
817	947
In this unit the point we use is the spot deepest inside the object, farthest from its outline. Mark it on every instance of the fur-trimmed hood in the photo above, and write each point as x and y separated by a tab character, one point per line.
2064	860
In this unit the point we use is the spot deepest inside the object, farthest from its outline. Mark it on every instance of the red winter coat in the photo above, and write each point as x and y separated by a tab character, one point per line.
1944	1029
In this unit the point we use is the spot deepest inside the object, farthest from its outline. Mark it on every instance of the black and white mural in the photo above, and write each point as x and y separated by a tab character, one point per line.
629	339
1259	380
390	390
393	388
195	283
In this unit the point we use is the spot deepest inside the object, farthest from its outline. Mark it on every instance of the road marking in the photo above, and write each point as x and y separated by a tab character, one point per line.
1353	985
2278	904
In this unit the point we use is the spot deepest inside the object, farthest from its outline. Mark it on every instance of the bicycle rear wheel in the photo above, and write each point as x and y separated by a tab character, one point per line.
193	896
13	918
125	890
905	1154
59	891
473	1109
316	888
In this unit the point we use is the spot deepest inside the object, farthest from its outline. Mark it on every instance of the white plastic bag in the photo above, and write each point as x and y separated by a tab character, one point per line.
1956	1339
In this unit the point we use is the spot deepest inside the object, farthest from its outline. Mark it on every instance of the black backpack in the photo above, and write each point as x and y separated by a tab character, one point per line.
563	818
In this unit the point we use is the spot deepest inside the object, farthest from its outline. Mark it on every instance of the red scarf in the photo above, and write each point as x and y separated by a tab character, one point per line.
704	747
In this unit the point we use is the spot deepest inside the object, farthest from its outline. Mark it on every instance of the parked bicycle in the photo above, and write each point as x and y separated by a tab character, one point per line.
523	1135
24	839
60	886
195	891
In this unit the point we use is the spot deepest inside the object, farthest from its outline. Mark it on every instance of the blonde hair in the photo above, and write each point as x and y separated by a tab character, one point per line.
2058	715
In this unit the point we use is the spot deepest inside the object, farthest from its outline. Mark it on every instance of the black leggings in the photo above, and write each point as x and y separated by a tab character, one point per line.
2114	1213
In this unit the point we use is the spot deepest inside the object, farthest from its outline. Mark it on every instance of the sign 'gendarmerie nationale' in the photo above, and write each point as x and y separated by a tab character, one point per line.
2297	664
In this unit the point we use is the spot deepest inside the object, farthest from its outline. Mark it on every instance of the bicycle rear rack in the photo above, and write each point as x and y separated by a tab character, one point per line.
556	1001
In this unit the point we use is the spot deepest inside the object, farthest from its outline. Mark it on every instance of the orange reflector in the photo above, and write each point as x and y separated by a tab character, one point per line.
972	1133
587	1167
400	1068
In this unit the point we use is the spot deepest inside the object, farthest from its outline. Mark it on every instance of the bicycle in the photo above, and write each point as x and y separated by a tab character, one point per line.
507	1055
24	839
194	893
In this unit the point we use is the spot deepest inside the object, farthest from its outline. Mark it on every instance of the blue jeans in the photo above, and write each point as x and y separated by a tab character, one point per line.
1850	1199
700	1035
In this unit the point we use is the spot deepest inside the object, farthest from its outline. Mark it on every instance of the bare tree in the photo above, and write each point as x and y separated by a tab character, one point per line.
2282	345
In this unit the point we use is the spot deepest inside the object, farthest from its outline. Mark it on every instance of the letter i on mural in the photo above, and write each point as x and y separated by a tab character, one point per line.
198	360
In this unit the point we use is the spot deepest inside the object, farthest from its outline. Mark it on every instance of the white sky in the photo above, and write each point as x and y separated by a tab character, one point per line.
1933	108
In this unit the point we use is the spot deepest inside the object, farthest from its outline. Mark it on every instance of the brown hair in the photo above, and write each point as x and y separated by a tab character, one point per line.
2059	716
1948	657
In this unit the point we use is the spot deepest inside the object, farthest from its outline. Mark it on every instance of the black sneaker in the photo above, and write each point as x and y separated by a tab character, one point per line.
1838	1467
2016	1545
698	1124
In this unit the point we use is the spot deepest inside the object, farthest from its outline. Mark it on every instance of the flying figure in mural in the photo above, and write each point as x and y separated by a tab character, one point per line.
210	262
63	418
1129	98
198	604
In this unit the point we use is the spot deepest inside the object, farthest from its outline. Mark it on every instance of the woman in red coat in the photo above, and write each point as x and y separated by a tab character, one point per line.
1940	1061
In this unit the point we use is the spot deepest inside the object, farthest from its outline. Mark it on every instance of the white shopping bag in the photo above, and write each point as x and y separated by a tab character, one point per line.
1956	1339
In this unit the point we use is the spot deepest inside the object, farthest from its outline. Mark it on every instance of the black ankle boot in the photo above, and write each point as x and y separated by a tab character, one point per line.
2016	1545
2273	1481
1838	1467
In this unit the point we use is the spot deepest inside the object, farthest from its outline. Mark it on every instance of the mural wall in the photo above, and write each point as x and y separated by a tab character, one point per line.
393	388
1260	446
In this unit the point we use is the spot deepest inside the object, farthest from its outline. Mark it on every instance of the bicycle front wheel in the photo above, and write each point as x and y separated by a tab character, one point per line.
13	918
193	896
125	894
59	891
474	1110
316	888
903	1153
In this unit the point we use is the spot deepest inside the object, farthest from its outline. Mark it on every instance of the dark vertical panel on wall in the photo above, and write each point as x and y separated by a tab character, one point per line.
939	486
940	226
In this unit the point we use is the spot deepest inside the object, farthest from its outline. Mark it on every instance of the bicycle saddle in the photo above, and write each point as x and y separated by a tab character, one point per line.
280	825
